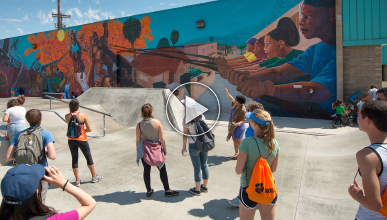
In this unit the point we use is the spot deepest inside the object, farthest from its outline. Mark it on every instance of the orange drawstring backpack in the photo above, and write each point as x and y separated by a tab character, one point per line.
7	137
262	188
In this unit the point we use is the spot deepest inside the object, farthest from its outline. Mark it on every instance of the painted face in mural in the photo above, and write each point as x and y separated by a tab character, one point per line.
273	47
93	38
259	50
315	21
110	82
250	47
98	82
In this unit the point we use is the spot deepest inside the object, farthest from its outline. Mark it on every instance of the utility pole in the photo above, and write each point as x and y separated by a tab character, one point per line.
60	25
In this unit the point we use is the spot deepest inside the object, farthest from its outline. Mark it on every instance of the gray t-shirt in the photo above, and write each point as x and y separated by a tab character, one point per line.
373	93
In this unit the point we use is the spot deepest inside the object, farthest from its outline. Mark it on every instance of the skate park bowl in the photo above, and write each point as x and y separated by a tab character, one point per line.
316	164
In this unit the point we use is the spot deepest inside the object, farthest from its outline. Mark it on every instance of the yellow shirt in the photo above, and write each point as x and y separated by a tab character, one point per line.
250	56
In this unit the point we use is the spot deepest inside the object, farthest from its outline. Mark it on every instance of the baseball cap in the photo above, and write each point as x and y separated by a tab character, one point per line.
251	115
21	182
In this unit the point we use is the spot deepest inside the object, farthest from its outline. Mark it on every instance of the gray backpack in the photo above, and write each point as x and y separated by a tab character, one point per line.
29	147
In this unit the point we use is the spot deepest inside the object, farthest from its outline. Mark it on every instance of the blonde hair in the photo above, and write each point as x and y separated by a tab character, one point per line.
267	131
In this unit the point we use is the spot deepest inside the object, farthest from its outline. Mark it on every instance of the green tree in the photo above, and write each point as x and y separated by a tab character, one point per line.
132	31
163	42
212	39
174	37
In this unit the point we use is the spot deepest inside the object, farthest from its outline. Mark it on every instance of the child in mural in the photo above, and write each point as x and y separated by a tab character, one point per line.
247	57
259	52
318	61
279	45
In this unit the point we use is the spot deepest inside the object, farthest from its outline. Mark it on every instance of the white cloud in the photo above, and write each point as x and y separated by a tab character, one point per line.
18	9
81	21
79	1
122	13
77	12
6	31
20	30
162	3
107	15
9	19
97	2
172	4
92	14
46	18
26	18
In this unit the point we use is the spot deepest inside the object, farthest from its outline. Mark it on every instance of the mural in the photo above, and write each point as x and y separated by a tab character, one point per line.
284	58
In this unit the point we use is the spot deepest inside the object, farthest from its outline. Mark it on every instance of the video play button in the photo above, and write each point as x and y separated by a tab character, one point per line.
193	109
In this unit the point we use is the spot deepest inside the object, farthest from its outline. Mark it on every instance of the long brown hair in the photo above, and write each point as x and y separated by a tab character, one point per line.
21	99
29	208
147	111
12	103
267	131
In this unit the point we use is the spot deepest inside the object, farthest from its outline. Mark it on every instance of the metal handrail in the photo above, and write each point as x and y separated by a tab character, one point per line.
93	110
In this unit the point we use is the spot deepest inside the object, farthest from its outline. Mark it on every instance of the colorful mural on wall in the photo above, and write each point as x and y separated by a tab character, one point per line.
284	58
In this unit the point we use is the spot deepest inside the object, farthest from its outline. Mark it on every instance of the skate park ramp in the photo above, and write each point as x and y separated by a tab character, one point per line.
312	178
125	104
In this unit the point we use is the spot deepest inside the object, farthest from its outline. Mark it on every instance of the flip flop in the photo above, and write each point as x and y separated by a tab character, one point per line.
234	157
148	194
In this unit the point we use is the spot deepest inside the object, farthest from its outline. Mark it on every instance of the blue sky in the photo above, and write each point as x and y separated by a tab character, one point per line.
21	17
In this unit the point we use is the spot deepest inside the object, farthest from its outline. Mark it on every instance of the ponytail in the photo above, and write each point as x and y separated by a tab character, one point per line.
267	131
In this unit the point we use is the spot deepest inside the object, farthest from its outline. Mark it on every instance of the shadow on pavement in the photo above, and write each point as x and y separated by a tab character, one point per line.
215	209
132	197
217	160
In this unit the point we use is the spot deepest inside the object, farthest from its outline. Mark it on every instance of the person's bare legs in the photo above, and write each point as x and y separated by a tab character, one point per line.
237	142
267	212
75	171
247	214
205	182
92	170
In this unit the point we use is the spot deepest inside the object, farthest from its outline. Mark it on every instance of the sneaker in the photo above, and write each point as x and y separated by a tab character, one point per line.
77	183
97	178
193	191
203	189
234	201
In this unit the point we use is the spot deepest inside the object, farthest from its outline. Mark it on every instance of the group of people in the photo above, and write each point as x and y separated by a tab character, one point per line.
24	187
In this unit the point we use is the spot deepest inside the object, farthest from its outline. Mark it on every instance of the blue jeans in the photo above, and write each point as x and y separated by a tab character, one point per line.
199	162
14	129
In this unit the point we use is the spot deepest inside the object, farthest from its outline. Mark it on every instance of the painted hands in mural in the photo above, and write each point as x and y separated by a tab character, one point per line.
255	89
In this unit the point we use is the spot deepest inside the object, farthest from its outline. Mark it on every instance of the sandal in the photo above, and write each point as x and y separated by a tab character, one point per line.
234	157
148	194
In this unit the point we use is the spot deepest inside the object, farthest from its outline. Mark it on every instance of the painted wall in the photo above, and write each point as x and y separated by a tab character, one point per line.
291	69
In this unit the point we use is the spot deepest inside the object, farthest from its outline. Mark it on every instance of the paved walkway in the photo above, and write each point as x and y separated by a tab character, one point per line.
316	166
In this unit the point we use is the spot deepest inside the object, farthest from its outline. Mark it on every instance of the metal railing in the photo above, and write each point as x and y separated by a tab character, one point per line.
90	109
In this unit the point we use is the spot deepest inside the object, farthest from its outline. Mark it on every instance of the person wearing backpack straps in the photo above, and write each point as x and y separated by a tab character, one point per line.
262	145
41	142
198	158
372	162
151	130
78	125
14	114
21	191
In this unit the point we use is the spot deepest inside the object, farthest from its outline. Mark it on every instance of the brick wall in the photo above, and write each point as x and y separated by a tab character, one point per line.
362	67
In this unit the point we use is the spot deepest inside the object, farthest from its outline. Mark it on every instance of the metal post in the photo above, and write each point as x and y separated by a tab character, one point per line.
50	104
104	126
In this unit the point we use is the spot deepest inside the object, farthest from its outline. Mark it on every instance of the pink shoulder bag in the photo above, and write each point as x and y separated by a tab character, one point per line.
153	152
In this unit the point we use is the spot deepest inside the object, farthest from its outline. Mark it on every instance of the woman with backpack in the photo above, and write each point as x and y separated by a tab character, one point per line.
262	145
21	190
15	115
198	158
78	125
151	131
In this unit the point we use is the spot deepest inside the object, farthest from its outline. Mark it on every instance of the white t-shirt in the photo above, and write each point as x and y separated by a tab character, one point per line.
16	115
373	93
192	130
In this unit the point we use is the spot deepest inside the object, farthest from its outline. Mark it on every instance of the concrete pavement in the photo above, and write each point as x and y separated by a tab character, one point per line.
316	166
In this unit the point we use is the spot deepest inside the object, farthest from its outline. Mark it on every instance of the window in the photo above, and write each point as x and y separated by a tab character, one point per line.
143	78
203	50
212	47
159	78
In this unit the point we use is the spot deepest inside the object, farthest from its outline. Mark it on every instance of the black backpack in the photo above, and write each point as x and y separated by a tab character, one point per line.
205	142
74	129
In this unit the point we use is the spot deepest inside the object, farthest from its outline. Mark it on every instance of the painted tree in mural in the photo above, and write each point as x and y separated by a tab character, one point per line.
212	39
132	31
174	37
163	42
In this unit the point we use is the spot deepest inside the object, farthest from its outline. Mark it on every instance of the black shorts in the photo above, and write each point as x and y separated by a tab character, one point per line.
247	203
